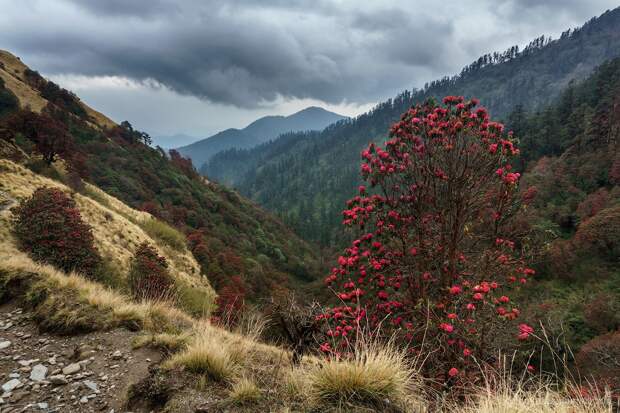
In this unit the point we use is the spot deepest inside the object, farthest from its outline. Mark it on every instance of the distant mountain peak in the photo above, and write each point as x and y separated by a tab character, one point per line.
261	130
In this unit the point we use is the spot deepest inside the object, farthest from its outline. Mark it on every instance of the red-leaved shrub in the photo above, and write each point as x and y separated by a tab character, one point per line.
599	358
437	252
230	302
49	227
148	276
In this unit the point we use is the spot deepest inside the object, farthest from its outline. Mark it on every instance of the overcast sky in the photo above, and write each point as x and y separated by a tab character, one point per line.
200	66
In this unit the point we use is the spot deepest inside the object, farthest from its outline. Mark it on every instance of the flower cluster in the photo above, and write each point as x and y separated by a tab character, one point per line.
435	258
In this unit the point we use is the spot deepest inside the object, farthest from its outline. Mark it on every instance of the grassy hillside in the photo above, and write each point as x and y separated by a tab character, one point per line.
118	230
230	236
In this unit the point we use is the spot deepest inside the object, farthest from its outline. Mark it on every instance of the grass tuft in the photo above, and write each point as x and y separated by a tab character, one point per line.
244	391
374	376
212	355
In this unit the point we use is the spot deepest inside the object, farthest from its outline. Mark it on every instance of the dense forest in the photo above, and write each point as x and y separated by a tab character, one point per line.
306	178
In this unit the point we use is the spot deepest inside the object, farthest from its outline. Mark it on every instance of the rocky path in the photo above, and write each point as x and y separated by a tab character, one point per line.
49	373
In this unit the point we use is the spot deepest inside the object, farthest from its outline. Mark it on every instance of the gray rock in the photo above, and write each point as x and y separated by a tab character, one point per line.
11	385
84	400
42	406
117	355
71	369
4	344
58	379
38	373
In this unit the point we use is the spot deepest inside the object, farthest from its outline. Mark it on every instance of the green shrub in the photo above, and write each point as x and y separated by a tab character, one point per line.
165	233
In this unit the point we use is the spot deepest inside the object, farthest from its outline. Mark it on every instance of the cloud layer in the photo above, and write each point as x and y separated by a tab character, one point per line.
247	53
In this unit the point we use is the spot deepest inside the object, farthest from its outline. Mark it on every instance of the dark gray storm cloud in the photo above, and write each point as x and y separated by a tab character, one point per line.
248	52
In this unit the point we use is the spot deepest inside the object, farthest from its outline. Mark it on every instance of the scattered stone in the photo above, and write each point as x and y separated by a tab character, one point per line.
58	379
71	369
26	363
14	376
117	355
11	385
43	406
84	400
4	344
38	373
91	385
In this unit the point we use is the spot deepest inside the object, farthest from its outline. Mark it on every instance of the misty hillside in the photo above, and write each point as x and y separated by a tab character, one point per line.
257	132
307	177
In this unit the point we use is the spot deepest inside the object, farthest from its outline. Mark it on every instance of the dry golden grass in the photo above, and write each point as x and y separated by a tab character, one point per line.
166	341
244	391
13	75
117	231
70	303
376	376
208	354
542	397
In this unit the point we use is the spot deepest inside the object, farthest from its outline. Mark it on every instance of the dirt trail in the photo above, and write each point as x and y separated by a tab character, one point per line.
41	372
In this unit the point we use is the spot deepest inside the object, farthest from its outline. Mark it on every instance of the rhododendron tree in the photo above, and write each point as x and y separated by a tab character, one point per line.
438	251
50	228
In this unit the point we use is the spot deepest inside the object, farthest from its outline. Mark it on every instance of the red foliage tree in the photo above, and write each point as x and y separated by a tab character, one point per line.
230	302
49	135
183	164
436	252
149	277
600	359
600	234
593	203
50	228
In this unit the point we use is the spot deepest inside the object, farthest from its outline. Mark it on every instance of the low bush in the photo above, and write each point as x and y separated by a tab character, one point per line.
148	276
50	228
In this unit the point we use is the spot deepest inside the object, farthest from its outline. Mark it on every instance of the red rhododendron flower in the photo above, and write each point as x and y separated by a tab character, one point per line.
524	331
453	372
448	328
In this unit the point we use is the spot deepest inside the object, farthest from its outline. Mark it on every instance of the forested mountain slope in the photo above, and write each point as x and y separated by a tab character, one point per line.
306	178
257	132
228	235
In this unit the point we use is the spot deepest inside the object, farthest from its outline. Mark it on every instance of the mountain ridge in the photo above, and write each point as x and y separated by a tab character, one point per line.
259	131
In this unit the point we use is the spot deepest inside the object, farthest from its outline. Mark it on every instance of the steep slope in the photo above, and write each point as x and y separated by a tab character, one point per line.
228	235
117	229
306	178
18	78
257	132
